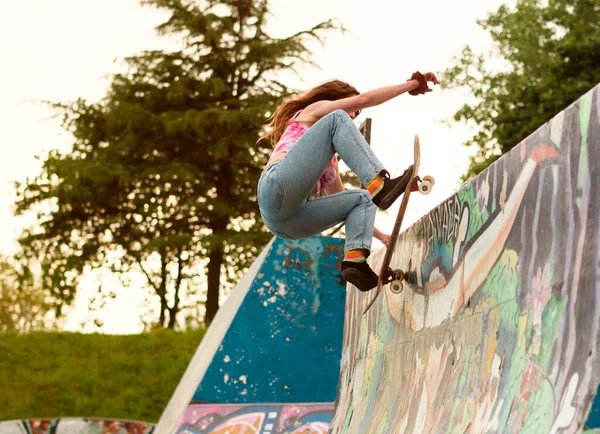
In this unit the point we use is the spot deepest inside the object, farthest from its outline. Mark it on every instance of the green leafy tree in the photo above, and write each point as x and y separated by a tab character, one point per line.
162	174
24	306
544	55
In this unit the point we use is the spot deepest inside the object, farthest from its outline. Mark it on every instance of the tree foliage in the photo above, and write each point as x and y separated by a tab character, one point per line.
162	174
544	56
24	306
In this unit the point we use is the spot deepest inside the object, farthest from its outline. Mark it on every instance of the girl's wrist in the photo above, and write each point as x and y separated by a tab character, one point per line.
421	84
414	83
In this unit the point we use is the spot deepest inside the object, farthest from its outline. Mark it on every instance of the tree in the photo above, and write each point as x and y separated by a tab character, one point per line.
162	174
544	56
24	307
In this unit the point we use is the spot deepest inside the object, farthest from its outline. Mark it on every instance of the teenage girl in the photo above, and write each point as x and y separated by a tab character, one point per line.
307	132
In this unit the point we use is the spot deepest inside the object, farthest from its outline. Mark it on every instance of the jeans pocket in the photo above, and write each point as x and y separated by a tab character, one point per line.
270	195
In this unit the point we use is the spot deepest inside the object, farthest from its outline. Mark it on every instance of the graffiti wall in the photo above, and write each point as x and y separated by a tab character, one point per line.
198	419
257	419
497	327
75	426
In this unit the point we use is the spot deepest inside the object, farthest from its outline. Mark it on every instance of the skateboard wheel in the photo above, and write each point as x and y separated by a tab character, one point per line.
396	286
429	178
425	186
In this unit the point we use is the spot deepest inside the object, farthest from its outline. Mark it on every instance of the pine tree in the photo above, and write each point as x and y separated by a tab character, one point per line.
162	174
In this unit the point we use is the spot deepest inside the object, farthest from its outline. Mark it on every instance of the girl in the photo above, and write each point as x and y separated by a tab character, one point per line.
308	131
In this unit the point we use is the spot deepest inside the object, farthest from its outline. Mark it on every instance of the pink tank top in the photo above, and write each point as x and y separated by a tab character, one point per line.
290	136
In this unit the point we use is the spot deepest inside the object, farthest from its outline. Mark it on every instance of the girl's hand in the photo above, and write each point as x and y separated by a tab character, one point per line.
423	79
430	76
385	239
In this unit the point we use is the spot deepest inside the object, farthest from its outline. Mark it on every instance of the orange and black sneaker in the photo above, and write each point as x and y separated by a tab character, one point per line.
392	188
360	275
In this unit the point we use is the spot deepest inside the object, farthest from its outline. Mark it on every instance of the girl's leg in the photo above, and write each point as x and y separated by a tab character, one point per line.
299	171
353	206
287	210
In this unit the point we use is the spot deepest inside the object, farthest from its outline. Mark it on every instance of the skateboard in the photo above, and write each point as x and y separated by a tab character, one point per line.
386	274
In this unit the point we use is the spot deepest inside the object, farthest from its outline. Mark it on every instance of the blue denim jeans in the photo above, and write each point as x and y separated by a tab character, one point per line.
285	187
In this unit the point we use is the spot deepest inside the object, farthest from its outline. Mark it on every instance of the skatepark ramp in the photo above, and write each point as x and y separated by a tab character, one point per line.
269	363
497	328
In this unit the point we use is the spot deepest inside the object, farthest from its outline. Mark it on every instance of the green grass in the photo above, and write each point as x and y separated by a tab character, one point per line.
81	375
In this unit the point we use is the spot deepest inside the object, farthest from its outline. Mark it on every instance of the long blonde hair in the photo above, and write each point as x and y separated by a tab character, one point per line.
329	91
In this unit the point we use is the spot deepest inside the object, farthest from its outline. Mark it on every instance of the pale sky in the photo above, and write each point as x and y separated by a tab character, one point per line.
64	49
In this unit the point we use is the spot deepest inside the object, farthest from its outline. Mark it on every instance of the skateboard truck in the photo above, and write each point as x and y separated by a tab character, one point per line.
396	285
394	278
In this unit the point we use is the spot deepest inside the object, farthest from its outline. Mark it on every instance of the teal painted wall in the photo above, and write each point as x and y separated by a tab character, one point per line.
284	344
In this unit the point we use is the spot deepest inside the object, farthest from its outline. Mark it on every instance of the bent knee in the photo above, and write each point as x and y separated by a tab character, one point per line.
337	115
365	197
341	114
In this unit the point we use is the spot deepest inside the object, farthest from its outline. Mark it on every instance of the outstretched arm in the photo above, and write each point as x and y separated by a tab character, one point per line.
371	98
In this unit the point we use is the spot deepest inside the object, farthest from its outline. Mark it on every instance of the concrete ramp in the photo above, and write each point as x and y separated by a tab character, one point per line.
498	329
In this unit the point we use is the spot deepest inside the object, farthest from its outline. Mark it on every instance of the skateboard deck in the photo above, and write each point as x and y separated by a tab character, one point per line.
387	275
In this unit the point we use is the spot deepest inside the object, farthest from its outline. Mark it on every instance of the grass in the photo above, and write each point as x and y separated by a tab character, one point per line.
47	374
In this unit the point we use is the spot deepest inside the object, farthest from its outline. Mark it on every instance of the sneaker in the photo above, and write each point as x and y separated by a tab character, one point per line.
392	188
360	275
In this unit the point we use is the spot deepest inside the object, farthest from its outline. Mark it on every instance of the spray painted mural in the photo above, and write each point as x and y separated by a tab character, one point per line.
257	419
198	419
497	329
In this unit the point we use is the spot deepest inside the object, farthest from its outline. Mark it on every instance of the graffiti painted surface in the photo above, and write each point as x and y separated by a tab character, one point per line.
284	344
257	419
498	328
75	426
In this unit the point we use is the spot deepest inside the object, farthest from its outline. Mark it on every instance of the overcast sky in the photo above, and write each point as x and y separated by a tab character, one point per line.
64	49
